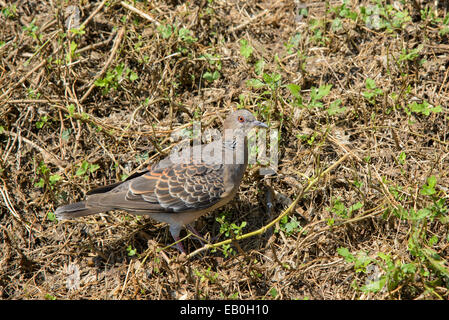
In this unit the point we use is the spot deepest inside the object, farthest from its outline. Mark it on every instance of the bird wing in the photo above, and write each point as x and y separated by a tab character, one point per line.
180	187
176	188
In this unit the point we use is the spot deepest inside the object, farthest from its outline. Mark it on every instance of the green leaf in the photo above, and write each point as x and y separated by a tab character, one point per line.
211	76
362	261
419	108
71	109
185	35
324	91
78	31
384	256
40	184
429	188
317	94
54	178
421	214
402	157
101	82
43	168
42	122
66	134
370	84
80	172
255	83
133	76
408	268
433	240
273	78
334	108
444	31
93	168
51	216
245	49
295	90
424	108
339	208
83	168
436	109
437	262
73	47
165	30
375	286
355	207
119	71
259	66
412	55
292	226
131	251
336	24
293	43
344	252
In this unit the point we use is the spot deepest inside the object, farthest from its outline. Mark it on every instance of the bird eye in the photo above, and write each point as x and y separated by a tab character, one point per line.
241	119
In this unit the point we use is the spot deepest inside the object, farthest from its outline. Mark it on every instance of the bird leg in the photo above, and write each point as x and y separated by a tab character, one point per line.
175	230
179	245
199	237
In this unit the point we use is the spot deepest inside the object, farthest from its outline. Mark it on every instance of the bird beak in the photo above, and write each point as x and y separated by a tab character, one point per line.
259	124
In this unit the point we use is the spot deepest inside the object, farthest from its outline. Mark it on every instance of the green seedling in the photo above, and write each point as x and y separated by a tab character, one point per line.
316	96
372	91
114	77
341	211
245	49
215	63
131	251
46	180
9	11
423	108
290	225
86	168
231	230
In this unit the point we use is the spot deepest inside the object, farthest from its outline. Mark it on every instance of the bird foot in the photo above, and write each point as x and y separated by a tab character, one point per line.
198	236
179	245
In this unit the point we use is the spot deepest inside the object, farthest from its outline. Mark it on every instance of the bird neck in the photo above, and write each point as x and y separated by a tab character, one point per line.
230	144
236	151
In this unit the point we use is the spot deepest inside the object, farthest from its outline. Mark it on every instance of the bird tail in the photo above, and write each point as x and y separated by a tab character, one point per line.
75	210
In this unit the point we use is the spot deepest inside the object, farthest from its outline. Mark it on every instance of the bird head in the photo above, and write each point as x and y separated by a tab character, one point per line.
242	120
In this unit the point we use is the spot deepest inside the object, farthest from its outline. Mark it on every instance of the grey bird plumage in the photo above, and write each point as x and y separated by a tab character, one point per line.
176	193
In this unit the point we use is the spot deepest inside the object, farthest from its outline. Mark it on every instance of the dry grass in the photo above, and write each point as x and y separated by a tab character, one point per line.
54	118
